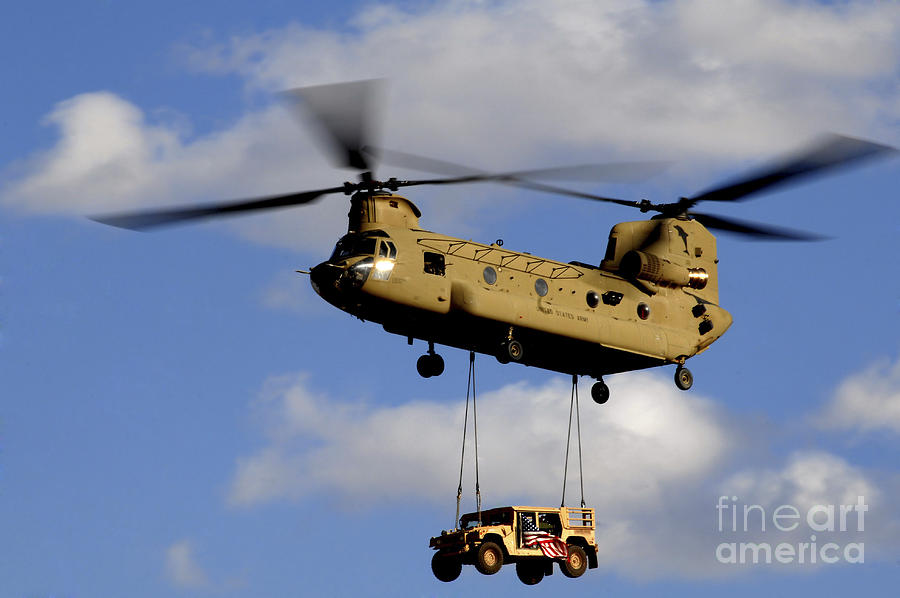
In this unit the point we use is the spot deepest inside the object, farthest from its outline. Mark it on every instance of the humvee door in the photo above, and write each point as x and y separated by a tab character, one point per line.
526	519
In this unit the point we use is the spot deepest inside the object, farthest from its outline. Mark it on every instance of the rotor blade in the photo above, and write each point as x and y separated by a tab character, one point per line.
832	152
421	163
511	180
342	114
571	193
166	216
465	174
752	229
613	172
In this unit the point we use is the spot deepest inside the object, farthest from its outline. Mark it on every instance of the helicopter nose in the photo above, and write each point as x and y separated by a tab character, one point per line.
325	280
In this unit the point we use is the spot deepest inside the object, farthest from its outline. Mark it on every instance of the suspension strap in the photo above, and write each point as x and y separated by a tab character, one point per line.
573	406
475	430
470	388
578	424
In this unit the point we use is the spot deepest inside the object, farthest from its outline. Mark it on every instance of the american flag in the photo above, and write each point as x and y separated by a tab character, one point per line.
550	545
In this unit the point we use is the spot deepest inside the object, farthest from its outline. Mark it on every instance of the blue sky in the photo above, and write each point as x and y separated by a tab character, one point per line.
180	415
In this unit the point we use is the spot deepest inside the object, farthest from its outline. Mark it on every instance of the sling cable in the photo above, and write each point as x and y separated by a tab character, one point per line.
573	405
470	388
534	539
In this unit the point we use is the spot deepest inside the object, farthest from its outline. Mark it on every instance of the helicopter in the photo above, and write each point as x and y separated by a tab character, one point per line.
651	301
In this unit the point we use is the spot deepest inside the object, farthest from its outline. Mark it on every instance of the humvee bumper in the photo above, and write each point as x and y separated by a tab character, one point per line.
449	542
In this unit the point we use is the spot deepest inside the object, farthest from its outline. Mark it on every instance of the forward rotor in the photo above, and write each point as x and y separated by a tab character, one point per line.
342	115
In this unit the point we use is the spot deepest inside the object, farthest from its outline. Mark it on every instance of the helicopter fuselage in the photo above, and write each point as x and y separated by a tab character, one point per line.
652	301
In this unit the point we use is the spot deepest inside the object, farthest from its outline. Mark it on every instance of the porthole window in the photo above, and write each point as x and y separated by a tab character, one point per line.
490	275
593	299
643	311
540	287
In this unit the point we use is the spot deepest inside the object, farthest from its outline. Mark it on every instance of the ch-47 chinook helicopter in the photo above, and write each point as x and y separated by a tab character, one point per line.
653	300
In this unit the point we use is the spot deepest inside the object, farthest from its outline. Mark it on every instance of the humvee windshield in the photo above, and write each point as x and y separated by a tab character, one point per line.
501	517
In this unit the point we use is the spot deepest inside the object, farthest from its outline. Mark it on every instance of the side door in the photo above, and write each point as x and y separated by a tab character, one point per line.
526	521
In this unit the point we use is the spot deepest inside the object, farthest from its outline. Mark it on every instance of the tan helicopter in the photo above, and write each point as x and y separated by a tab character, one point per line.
653	300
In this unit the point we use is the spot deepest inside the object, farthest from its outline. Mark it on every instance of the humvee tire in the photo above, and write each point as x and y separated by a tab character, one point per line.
530	572
576	563
445	568
488	558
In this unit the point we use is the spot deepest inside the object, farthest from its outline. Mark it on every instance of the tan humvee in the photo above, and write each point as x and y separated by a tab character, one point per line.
502	536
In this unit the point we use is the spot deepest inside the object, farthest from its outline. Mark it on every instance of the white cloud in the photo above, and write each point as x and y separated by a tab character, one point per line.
655	463
512	80
182	568
866	402
835	502
497	85
656	436
679	537
645	461
110	158
808	478
104	151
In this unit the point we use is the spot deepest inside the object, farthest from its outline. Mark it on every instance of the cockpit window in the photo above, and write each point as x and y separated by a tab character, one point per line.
366	246
353	245
387	250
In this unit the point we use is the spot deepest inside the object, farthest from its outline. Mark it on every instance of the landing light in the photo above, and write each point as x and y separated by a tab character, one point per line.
384	265
383	270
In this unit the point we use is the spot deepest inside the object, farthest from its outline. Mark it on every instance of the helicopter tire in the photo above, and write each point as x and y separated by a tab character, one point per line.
429	365
600	392
515	350
684	379
437	364
423	366
503	353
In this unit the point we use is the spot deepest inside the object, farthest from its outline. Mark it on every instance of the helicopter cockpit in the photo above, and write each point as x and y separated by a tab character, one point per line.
356	258
364	245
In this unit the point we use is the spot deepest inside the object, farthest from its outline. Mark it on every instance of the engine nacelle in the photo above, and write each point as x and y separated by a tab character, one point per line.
652	268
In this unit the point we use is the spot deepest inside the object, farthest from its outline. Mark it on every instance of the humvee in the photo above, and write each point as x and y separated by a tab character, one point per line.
508	535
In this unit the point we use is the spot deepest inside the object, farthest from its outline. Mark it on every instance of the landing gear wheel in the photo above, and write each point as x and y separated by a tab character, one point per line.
576	563
503	353
530	572
600	392
437	365
684	379
488	558
516	350
430	365
423	366
445	568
